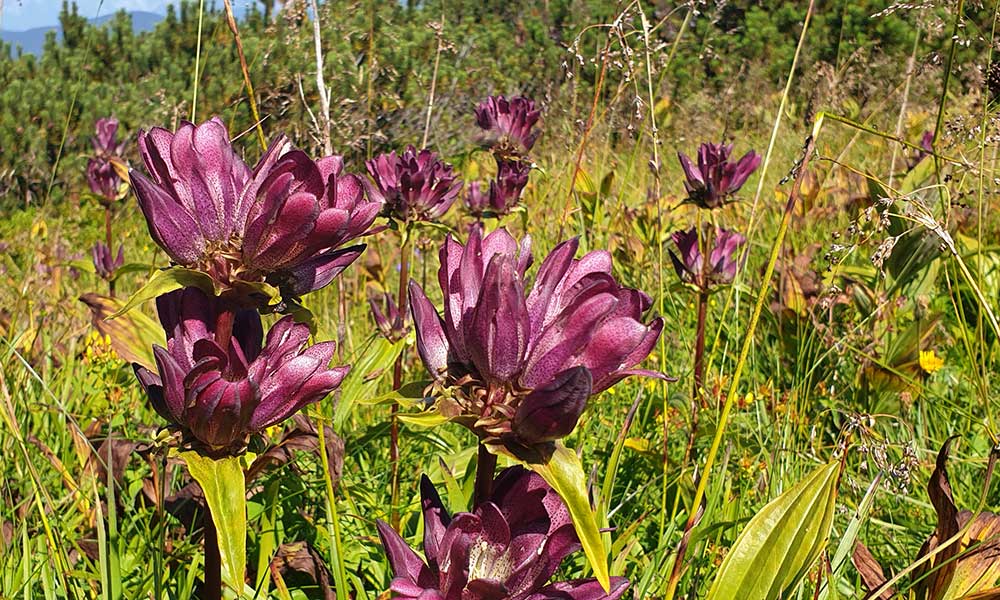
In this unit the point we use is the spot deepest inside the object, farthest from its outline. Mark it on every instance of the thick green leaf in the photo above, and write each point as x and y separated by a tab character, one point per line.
164	281
366	371
225	491
132	336
780	544
564	472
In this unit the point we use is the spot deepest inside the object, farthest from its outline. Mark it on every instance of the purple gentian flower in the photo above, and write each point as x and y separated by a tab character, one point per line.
505	190
388	317
723	259
220	391
104	264
523	365
926	149
283	222
477	199
508	548
508	124
102	177
715	179
414	185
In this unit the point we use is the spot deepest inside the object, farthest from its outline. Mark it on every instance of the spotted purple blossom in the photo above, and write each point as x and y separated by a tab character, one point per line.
102	178
105	264
713	181
220	381
508	125
285	222
388	317
522	362
508	548
723	260
413	186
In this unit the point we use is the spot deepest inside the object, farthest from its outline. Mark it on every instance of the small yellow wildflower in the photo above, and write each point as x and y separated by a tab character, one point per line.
930	362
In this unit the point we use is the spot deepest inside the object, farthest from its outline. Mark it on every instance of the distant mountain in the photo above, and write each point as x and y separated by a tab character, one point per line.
33	40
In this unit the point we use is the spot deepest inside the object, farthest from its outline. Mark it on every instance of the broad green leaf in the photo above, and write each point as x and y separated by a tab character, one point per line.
164	281
427	418
366	372
132	336
848	541
564	472
225	491
410	394
584	184
780	543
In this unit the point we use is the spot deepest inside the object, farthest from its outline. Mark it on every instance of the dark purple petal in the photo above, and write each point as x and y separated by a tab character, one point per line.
317	272
585	589
551	412
170	224
404	561
436	520
432	344
498	337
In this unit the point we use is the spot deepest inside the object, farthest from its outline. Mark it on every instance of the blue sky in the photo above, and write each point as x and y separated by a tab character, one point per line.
18	15
25	14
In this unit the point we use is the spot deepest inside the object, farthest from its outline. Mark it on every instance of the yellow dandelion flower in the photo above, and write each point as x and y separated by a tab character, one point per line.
930	362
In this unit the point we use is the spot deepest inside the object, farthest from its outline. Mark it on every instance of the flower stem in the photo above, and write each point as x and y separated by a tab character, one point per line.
397	379
213	560
699	373
107	240
485	467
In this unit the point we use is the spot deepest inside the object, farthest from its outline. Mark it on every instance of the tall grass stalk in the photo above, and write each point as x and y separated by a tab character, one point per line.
777	119
234	28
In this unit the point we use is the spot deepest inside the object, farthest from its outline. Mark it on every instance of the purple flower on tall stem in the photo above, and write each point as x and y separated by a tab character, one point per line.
413	186
926	149
388	317
104	264
507	125
508	548
723	258
284	222
522	365
477	199
504	192
715	179
102	177
220	381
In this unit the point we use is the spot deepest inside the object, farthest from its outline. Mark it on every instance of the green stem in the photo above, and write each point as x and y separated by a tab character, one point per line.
397	379
107	240
336	545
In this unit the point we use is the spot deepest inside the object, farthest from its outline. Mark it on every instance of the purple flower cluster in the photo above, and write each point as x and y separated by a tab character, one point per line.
507	130
285	222
723	258
508	547
414	185
388	317
102	178
105	264
523	365
507	125
713	181
220	381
